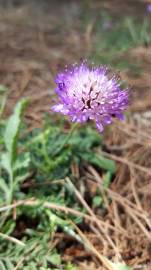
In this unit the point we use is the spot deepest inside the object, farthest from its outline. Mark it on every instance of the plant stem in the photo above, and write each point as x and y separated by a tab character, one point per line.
12	239
73	128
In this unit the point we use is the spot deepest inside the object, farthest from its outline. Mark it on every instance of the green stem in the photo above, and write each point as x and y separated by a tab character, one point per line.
73	128
11	179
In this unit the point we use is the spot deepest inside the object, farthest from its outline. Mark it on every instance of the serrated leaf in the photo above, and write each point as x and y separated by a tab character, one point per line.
100	161
3	186
85	139
54	259
22	178
5	163
2	267
9	264
23	162
12	130
8	227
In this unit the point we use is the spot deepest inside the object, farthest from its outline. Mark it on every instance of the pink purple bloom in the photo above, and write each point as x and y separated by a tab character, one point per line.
107	25
149	8
87	93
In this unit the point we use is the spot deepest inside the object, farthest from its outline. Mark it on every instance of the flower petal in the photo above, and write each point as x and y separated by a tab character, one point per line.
99	126
60	108
120	116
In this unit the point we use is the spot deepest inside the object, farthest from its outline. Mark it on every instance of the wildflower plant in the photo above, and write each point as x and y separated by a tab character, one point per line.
89	93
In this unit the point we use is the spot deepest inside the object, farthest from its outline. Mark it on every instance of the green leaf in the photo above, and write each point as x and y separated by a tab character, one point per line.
3	89
85	139
54	259
107	177
22	162
2	267
12	130
8	227
100	161
97	201
70	266
21	178
3	98
120	266
3	186
5	163
9	264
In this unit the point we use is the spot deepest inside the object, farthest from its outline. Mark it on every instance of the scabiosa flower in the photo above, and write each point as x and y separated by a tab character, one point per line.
148	8
87	93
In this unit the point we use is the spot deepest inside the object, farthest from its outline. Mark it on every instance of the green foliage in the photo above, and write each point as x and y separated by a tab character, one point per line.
38	252
12	131
120	266
70	266
3	98
138	32
11	162
100	162
120	36
97	201
107	177
44	155
41	153
80	147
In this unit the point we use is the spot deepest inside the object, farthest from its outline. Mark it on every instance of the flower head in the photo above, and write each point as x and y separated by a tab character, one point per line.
148	8
87	93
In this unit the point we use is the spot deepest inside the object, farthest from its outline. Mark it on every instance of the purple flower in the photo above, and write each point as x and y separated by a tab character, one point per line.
107	25
87	93
148	8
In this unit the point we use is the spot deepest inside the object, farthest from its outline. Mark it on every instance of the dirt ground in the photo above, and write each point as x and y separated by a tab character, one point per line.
39	38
